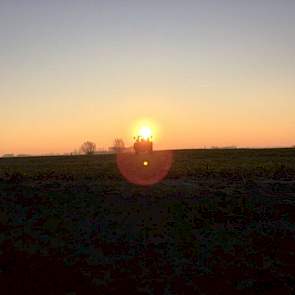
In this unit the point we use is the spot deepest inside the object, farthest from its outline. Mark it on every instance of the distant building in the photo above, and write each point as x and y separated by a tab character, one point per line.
113	149
23	155
232	147
8	156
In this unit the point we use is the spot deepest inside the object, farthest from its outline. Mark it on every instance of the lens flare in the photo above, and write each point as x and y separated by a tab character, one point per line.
144	169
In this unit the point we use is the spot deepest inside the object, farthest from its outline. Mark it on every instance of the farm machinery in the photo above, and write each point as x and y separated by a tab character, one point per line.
143	145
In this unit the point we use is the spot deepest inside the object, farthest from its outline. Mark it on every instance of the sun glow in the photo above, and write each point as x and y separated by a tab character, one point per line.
144	129
145	132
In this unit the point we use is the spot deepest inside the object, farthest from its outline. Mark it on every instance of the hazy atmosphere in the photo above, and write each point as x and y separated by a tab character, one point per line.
204	72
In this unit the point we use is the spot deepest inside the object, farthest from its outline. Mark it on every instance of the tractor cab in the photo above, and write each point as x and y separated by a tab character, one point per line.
143	145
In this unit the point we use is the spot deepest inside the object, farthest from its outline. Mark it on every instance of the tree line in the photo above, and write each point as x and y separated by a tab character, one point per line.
89	147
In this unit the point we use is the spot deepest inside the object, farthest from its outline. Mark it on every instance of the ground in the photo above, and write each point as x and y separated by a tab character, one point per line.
221	222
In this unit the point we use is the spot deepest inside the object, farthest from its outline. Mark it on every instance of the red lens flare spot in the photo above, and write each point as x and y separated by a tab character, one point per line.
144	169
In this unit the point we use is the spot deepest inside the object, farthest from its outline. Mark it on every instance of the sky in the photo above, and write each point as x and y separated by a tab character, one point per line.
203	73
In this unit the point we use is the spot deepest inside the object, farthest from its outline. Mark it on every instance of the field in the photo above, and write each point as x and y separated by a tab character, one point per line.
221	222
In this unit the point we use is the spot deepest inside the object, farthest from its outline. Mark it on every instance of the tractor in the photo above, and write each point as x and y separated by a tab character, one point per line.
143	145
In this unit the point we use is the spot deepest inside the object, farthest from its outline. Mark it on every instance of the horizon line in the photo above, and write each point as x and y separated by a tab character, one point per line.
99	152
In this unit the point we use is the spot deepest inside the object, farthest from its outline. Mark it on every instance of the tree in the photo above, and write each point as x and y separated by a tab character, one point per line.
119	145
88	148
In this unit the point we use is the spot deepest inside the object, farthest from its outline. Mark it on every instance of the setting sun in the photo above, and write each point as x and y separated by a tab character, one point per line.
146	129
145	132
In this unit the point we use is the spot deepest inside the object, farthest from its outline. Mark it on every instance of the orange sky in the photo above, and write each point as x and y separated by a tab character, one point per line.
69	73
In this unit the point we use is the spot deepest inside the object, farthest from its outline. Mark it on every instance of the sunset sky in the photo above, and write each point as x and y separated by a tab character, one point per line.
203	73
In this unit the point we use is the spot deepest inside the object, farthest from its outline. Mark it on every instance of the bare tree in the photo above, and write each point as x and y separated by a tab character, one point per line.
119	145
88	148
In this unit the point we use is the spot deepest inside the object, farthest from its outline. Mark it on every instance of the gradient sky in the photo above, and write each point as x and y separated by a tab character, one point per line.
205	72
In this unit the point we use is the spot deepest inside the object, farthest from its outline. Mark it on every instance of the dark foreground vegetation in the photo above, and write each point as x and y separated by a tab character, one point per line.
222	222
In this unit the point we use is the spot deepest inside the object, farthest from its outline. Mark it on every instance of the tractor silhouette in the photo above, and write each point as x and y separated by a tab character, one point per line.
143	145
